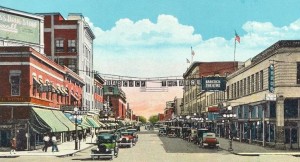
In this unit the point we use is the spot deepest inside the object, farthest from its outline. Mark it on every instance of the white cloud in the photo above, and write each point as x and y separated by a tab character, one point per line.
149	49
144	33
145	48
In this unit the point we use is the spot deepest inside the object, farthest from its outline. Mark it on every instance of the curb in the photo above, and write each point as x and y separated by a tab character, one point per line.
73	153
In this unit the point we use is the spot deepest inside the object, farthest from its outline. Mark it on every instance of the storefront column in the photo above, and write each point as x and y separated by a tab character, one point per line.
241	131
280	123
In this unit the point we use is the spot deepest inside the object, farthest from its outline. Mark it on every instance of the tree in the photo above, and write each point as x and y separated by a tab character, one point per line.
153	119
142	119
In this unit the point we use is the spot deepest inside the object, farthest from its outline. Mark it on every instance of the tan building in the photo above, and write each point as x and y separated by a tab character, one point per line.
196	100
264	95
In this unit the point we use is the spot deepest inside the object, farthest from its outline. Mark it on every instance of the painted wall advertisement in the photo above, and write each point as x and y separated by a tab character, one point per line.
19	28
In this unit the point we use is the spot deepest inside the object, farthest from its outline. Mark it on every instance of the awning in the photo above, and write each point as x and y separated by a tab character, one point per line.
48	117
62	118
102	124
72	95
92	122
36	81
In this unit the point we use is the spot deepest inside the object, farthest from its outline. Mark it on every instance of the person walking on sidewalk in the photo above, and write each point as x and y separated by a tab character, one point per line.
54	143
46	142
13	145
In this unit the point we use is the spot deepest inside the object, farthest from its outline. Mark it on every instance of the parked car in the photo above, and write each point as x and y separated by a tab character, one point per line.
162	131
134	134
209	140
106	147
126	140
193	136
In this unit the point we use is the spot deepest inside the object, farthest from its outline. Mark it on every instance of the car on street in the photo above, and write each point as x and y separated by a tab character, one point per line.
106	147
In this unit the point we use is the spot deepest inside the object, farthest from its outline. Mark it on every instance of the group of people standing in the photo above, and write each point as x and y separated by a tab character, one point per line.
50	142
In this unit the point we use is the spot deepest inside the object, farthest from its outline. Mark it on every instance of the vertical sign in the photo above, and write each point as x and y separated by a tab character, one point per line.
271	78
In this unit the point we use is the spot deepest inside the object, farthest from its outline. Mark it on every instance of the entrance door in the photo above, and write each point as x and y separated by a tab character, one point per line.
4	138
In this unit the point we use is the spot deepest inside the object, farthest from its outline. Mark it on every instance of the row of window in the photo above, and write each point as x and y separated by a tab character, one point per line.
246	86
59	46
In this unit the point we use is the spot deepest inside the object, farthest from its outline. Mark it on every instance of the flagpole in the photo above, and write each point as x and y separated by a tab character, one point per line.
234	54
191	54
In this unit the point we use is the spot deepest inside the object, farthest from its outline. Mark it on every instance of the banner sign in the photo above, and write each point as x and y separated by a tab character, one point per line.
213	83
164	83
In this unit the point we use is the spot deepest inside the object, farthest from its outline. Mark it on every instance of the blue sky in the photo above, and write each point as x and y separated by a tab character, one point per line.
153	38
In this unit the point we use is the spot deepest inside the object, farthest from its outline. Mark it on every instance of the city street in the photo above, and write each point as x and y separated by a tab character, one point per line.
152	148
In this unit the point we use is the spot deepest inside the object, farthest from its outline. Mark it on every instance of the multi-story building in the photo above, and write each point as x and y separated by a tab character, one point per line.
117	101
178	103
169	110
33	89
265	97
98	93
194	98
69	42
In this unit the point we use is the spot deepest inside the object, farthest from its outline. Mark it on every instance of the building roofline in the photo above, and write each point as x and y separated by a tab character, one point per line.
197	63
22	13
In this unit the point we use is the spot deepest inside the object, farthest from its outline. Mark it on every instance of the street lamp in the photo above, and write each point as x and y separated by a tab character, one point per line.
76	128
229	115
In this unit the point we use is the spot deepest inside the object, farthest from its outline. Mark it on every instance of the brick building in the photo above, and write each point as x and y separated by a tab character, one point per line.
117	100
33	89
69	42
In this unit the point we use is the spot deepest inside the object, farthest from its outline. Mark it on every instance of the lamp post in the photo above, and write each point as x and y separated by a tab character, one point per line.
229	115
76	130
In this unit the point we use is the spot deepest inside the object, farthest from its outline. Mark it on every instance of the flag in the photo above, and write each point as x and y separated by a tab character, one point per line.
237	37
187	61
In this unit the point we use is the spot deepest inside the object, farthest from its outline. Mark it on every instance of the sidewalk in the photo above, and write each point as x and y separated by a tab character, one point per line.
245	149
65	149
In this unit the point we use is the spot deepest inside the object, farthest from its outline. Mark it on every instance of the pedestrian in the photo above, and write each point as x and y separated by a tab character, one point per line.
54	143
46	140
13	145
84	136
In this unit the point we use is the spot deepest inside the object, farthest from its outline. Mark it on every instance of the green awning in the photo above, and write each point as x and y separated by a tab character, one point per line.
85	124
92	122
48	117
64	120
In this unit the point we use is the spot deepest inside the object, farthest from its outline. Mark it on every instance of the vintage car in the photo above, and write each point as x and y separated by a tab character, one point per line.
106	147
134	134
185	131
162	131
208	140
193	136
126	140
172	132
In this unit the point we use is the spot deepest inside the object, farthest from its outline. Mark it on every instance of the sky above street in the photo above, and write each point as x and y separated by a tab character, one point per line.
153	38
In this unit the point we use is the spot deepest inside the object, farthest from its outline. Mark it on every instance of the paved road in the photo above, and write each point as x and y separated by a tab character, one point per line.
150	148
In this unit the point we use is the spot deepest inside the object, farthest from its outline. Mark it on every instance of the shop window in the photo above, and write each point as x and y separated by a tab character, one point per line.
272	109
246	112
291	108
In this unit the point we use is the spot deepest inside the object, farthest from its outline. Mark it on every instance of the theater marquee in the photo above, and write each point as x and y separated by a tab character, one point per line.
213	83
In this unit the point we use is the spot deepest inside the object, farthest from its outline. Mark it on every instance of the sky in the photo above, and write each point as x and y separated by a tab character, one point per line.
153	38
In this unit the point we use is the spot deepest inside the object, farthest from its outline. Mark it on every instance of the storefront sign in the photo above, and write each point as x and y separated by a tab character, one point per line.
214	83
213	109
14	99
